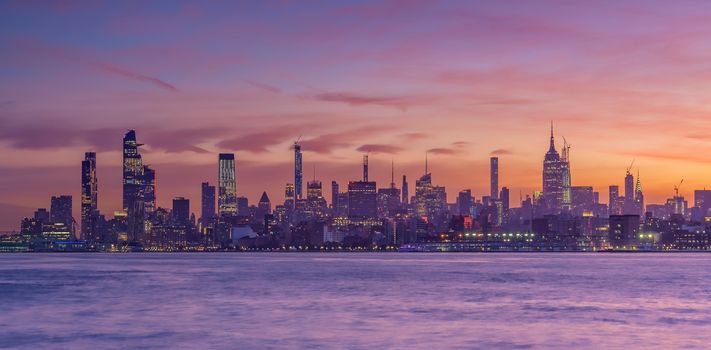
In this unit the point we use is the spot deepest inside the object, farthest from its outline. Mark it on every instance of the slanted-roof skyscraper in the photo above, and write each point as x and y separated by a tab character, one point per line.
227	185
133	199
89	197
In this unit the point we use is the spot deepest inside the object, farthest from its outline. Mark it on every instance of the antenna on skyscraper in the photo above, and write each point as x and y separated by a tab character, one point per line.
392	173
426	162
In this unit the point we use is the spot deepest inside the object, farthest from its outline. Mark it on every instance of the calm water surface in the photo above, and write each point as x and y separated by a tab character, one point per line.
355	301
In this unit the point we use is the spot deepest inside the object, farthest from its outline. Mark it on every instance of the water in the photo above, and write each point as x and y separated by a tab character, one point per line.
355	301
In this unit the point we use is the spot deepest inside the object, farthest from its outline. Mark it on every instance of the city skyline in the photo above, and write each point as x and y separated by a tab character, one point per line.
478	192
463	81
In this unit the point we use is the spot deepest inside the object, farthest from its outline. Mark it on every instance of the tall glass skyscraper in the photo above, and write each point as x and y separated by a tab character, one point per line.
494	177
298	172
227	185
89	197
133	176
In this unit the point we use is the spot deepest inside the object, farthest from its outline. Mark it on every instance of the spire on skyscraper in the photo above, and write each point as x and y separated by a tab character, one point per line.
552	146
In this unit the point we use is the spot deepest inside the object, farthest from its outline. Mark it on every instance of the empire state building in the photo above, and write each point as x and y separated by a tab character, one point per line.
554	169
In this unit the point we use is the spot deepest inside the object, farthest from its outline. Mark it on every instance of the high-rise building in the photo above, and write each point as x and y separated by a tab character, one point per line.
365	168
265	204
289	196
334	194
60	211
405	193
465	202
227	185
133	199
615	202
638	197
89	197
702	201
565	169
504	197
243	206
494	177
181	211
629	194
553	178
148	189
362	199
207	212
42	215
298	172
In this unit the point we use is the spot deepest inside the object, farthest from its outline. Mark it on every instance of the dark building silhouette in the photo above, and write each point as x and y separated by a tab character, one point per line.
504	198
494	177
465	201
61	211
89	198
227	185
207	210
623	231
265	204
334	194
181	211
148	190
42	215
405	191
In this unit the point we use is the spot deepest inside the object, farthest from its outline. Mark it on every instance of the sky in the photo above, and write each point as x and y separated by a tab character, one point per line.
461	80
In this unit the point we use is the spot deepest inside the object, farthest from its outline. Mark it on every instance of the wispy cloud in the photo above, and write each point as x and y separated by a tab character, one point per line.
400	102
379	148
501	152
136	76
263	86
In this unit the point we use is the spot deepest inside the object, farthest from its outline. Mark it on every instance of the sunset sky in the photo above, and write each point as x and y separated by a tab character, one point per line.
460	79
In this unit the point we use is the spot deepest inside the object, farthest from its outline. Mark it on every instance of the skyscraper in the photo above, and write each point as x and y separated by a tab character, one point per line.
565	169
148	189
334	194
133	201
629	193
181	211
227	186
405	194
639	196
494	177
60	211
289	196
365	168
298	171
615	204
362	199
89	197
553	181
504	197
265	204
207	212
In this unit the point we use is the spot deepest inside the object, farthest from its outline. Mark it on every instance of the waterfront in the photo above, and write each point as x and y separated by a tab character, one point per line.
355	300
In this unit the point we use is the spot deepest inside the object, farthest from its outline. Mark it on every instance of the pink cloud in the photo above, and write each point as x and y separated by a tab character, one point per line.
379	148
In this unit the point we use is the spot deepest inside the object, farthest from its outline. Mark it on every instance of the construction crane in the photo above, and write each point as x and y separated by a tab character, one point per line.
676	188
629	169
